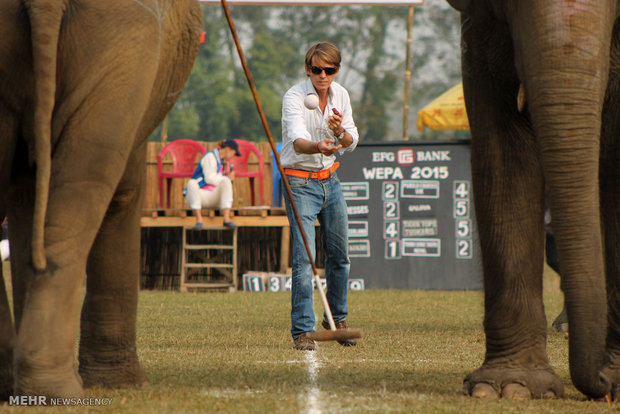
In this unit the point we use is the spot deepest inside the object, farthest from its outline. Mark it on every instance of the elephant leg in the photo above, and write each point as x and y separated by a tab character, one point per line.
7	336
45	304
7	331
508	193
107	354
89	161
560	323
610	214
43	342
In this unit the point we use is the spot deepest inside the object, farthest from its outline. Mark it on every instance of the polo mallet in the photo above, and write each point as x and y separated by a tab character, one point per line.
333	334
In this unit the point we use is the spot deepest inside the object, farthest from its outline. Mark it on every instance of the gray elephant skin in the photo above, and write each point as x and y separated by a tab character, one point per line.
82	85
542	90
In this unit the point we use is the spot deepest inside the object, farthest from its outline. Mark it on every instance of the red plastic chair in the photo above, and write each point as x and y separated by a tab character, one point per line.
240	166
184	154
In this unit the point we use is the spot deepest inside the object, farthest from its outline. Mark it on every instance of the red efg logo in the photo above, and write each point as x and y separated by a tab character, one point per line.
405	156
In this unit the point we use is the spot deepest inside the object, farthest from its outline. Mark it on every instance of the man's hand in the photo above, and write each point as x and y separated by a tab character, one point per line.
327	147
334	121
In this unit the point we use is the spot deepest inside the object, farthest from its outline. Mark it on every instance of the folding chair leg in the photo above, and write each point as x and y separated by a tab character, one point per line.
251	189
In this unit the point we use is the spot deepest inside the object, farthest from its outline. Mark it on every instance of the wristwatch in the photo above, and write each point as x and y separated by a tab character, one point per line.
339	137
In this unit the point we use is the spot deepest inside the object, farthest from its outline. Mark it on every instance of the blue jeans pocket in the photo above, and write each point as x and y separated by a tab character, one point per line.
297	182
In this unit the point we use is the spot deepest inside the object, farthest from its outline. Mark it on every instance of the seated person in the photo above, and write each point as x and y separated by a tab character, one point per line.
210	187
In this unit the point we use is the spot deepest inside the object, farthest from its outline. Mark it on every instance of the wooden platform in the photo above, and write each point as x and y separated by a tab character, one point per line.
257	216
264	242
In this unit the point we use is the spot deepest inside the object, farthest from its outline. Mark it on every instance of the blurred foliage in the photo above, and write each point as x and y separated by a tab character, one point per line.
217	102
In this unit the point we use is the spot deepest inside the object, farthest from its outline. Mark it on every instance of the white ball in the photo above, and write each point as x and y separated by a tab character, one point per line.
311	101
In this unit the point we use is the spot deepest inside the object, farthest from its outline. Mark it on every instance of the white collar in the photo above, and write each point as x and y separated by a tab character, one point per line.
309	88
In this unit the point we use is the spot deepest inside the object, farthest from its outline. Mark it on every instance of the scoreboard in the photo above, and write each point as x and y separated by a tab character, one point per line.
411	217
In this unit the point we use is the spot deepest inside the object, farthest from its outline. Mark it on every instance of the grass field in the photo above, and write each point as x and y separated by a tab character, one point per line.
233	353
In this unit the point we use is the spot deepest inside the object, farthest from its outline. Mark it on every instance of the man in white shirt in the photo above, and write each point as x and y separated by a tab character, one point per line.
310	140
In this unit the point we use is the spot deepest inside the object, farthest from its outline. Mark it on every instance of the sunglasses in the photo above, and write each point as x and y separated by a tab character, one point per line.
328	70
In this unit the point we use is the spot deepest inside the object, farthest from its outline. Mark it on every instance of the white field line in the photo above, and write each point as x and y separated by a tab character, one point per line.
312	396
365	360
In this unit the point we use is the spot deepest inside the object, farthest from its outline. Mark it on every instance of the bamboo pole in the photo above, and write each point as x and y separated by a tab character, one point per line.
164	130
407	77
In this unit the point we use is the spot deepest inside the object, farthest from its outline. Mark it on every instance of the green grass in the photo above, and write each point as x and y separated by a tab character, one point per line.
233	353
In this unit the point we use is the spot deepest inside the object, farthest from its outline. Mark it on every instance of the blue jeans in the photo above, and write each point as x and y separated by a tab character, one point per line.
320	199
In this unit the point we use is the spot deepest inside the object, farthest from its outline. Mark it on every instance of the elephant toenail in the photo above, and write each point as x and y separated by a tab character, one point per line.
483	390
516	392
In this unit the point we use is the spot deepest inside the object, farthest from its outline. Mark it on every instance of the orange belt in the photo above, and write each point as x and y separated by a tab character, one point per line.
319	175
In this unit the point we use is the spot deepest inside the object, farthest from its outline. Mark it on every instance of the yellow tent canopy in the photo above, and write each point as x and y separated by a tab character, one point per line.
447	111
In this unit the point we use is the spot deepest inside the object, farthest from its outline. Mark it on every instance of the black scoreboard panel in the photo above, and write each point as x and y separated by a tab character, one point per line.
411	215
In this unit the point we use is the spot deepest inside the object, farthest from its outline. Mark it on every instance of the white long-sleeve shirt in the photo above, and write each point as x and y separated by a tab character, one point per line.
209	187
210	170
212	167
300	122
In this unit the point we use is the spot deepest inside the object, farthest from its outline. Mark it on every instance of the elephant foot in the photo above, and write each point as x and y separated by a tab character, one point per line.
560	324
113	375
513	383
6	374
611	375
53	384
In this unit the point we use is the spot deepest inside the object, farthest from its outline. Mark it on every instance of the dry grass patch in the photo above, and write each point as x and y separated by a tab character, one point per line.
208	353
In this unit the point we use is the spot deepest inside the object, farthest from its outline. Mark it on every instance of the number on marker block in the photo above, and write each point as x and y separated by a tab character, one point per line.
279	283
463	228
463	249
391	229
461	189
356	284
392	249
390	190
461	208
253	283
274	284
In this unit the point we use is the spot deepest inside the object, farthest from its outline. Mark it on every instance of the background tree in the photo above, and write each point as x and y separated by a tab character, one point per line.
217	102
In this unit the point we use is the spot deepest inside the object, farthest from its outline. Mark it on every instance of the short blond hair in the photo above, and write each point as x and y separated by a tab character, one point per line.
324	51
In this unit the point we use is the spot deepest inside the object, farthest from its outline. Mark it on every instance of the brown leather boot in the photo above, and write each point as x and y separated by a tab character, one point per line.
303	343
341	325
